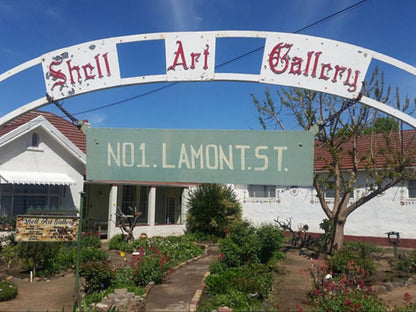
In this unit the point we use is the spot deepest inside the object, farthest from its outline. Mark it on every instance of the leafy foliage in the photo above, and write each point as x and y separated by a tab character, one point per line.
347	292
213	208
358	252
246	243
98	276
8	290
241	277
149	266
404	262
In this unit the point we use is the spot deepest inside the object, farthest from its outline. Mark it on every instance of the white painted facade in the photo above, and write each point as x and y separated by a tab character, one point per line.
392	211
54	157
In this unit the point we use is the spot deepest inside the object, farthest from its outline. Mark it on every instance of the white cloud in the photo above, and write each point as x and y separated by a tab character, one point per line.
96	119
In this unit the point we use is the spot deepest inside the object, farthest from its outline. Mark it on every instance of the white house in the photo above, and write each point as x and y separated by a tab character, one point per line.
42	167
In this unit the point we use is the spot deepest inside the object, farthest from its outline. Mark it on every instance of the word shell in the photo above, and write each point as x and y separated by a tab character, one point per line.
314	63
81	68
200	156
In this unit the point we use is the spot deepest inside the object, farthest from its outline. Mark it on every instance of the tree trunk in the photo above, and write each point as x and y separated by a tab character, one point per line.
338	240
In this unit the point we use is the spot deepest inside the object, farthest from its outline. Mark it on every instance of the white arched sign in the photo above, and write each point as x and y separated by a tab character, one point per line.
289	59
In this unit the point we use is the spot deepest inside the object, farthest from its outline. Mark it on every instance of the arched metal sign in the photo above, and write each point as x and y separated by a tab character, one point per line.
289	59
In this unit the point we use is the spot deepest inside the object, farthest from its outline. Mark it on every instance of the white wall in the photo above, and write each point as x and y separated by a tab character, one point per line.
392	211
48	157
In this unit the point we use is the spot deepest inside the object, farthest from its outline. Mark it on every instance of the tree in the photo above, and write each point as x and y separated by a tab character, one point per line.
213	208
344	148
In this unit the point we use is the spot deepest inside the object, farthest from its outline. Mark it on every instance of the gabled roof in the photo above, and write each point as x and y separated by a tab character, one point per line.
69	130
364	144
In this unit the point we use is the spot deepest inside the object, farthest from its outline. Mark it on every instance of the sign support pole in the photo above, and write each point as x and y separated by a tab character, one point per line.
81	208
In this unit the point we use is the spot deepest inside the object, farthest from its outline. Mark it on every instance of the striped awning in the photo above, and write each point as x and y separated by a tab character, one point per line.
35	177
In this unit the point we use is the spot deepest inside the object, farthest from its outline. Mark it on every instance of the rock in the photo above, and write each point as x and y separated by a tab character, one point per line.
389	286
410	281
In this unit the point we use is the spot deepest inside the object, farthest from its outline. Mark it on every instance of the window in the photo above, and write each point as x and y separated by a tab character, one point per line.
264	191
411	188
330	192
19	198
35	140
134	199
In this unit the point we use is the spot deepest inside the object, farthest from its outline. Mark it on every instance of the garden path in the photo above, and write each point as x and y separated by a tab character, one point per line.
177	292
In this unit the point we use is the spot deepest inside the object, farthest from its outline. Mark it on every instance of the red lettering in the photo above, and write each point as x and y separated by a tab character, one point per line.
97	61
206	53
338	70
194	58
353	85
296	62
76	68
57	74
325	68
88	68
107	65
275	58
315	65
178	53
308	62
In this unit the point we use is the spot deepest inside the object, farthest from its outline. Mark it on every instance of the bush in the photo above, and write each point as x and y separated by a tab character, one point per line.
119	242
358	252
213	208
8	290
98	276
270	239
90	241
235	299
37	255
248	279
124	277
404	262
246	243
150	266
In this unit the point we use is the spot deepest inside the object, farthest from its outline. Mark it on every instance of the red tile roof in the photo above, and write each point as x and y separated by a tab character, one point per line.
68	129
364	143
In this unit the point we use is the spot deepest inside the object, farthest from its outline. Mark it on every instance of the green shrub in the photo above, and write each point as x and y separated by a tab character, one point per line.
150	266
67	257
248	279
98	276
246	243
355	300
123	277
240	246
37	255
119	242
358	252
235	299
270	239
404	262
8	290
91	241
9	254
213	208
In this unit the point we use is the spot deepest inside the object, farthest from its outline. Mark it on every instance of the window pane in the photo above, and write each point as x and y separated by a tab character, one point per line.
411	187
262	191
6	206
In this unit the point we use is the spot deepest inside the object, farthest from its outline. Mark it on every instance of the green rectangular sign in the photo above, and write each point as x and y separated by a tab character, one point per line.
200	156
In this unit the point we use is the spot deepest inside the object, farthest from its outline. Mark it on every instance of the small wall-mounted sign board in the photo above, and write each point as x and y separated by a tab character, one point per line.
46	228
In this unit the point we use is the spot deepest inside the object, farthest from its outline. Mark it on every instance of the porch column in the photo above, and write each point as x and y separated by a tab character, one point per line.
112	210
151	206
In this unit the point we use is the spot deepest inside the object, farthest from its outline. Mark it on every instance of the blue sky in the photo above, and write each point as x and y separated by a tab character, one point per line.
29	29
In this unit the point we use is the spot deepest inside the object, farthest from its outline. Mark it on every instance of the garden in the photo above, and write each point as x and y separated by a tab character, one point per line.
258	268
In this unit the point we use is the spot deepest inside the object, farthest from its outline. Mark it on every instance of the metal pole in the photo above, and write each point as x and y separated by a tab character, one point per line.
81	208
